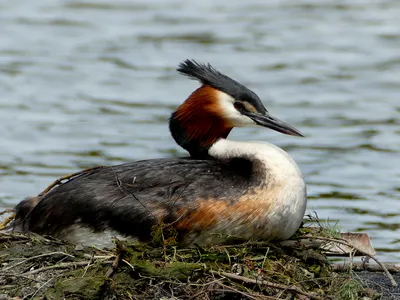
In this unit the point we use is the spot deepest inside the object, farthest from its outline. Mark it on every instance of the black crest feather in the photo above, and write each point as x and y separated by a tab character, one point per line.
208	75
205	73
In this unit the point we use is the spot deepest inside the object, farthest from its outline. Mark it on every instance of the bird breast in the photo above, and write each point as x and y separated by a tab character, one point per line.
272	210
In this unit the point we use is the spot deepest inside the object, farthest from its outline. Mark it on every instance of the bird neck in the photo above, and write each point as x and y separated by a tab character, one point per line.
270	163
196	124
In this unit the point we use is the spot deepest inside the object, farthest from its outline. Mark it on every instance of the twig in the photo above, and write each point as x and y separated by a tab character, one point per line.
37	256
251	296
70	176
37	291
162	227
128	263
109	252
7	220
360	266
62	266
114	266
304	242
344	242
8	286
177	220
257	244
87	267
6	211
20	276
13	236
198	294
192	284
233	291
127	191
229	257
265	258
292	289
351	258
98	256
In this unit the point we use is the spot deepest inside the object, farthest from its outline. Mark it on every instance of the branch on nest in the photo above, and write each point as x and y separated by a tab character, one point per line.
114	266
361	266
66	177
63	266
291	289
6	211
7	220
346	243
37	256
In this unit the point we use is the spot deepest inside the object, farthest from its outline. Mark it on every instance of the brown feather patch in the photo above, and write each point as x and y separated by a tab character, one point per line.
199	115
211	213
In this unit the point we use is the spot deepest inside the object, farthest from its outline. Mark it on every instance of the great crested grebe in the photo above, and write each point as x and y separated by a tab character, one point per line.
226	188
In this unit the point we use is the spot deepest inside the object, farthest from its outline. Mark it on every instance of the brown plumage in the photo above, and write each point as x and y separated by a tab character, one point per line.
199	116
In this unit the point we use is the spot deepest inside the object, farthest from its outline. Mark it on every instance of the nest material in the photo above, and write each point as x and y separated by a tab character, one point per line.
36	267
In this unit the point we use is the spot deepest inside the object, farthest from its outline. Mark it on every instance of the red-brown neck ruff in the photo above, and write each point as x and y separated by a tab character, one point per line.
197	124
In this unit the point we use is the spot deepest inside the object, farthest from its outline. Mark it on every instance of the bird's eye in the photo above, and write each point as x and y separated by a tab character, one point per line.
239	105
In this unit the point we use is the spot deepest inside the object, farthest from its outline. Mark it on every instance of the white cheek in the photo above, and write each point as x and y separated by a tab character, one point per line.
230	113
239	120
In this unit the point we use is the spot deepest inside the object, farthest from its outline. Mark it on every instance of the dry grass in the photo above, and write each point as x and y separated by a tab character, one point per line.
33	266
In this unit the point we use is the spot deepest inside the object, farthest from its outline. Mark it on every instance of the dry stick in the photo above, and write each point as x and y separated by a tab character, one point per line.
164	245
60	180
265	258
6	211
37	291
252	244
344	242
37	256
129	264
233	291
87	267
98	256
8	286
19	276
268	284
253	295
13	235
163	226
196	296
305	243
365	267
190	284
62	266
114	266
352	251
7	220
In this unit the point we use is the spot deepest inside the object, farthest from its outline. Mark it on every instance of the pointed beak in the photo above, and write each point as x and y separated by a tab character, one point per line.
274	123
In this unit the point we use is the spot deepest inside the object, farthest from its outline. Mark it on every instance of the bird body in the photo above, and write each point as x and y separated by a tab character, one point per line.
225	188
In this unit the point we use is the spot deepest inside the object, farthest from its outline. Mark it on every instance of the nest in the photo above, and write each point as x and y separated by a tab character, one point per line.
37	267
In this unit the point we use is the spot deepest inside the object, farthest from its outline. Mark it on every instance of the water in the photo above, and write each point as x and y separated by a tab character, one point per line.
93	83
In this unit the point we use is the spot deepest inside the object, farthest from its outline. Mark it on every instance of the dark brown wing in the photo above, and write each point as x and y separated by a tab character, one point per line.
132	197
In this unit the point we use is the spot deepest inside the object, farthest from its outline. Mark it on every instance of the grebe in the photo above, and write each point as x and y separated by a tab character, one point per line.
226	188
